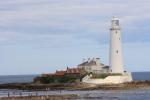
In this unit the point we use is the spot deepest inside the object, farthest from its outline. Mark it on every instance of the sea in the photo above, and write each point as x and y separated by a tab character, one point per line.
130	94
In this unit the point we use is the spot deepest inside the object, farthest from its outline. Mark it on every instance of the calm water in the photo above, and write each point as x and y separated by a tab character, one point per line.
133	94
141	75
16	78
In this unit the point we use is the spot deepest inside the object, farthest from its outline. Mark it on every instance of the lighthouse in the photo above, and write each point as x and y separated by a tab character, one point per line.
115	60
115	56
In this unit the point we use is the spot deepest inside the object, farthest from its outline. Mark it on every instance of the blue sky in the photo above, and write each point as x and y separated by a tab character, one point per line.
40	36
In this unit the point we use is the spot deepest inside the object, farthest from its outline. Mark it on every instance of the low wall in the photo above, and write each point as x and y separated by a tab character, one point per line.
126	77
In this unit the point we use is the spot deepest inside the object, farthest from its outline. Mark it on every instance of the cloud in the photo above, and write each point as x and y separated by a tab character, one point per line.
6	36
71	18
40	34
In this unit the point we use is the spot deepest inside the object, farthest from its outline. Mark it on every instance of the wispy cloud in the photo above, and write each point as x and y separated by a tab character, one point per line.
37	35
73	17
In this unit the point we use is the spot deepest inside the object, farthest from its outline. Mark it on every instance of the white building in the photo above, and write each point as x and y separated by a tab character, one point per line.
94	66
115	59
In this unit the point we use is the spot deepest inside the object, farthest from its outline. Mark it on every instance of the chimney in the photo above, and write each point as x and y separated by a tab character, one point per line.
83	60
89	60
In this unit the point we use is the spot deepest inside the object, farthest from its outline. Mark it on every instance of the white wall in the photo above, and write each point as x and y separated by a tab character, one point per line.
109	80
116	61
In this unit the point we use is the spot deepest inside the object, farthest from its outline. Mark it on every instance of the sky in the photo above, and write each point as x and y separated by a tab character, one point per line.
41	36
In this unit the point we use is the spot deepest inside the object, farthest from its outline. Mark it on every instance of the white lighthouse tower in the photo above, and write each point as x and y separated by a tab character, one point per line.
116	61
115	57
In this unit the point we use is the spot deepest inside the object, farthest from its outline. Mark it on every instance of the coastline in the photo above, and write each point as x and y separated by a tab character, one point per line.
48	97
31	91
75	86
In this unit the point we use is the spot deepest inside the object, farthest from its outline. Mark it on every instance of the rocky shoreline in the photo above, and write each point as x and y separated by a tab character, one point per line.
49	97
68	86
74	86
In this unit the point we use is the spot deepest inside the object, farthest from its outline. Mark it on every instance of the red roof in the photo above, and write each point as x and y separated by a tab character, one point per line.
73	70
60	73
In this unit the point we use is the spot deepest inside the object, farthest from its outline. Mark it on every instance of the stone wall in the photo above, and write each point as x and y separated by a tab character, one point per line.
126	77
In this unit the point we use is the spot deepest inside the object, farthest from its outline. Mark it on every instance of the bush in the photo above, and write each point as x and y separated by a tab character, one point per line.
68	79
56	79
46	80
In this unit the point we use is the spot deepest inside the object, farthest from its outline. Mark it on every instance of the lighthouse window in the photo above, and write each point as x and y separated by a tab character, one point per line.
117	22
116	32
117	51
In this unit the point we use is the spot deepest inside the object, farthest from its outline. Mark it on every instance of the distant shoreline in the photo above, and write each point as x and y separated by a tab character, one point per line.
75	86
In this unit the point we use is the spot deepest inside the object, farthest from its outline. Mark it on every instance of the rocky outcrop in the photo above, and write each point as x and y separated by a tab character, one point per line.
50	97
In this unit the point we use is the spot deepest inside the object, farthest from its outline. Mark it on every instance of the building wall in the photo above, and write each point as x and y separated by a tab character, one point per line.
93	69
96	67
116	61
109	80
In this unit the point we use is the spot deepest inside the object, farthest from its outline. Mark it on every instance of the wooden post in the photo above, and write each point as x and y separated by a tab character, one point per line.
8	94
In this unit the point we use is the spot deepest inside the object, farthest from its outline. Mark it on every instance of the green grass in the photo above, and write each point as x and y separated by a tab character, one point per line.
102	76
53	79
